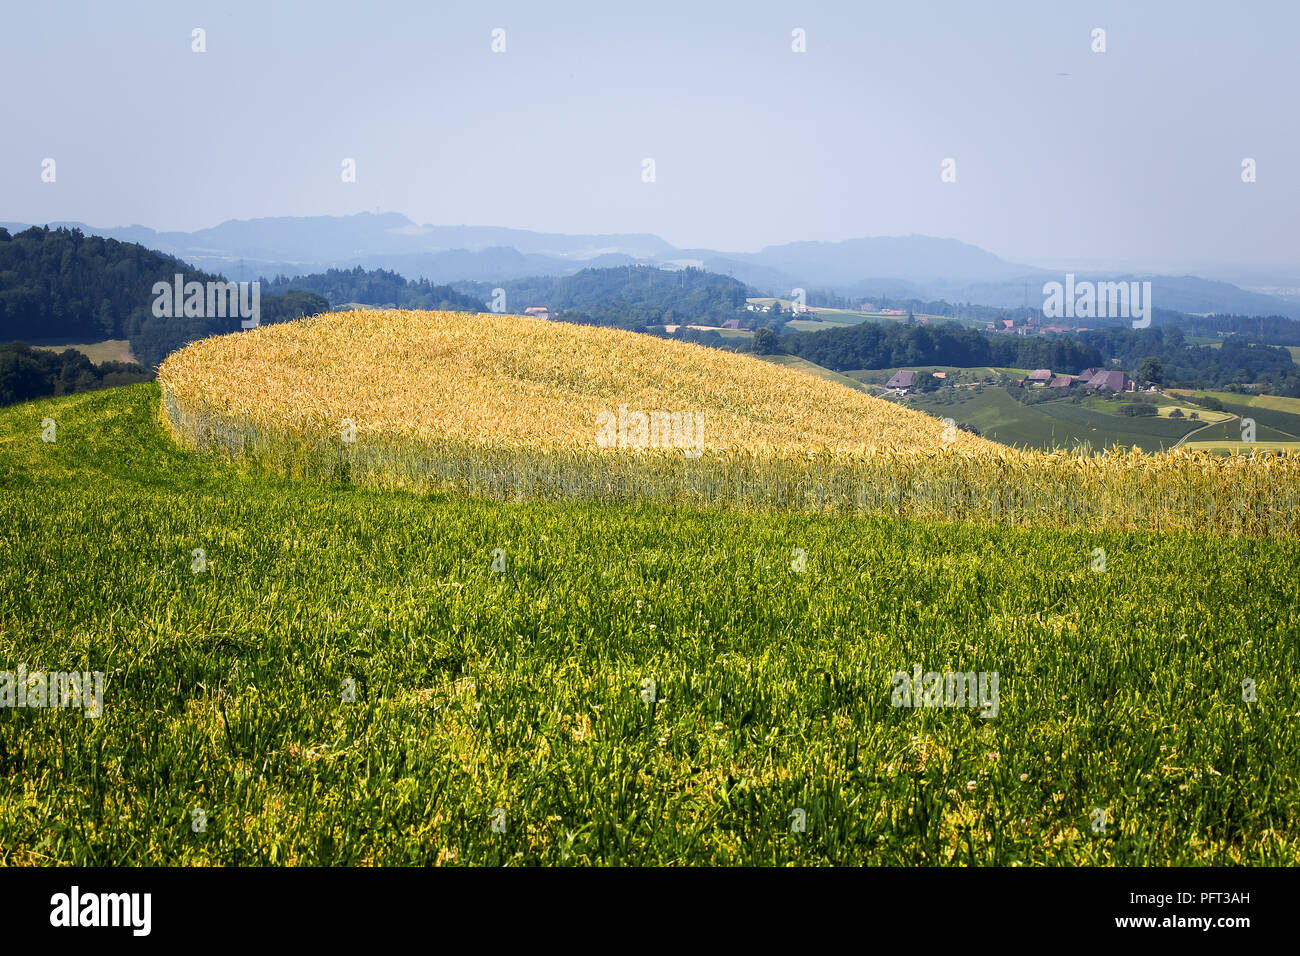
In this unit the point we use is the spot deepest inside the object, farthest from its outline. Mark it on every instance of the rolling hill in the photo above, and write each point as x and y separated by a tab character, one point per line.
505	380
514	407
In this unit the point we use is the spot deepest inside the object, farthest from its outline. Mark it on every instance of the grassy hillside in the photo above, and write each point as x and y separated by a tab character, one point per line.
1276	402
1063	424
1049	424
528	691
1274	422
811	368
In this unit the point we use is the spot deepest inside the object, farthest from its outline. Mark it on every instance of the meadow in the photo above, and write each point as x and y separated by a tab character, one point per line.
1056	424
1095	423
109	350
812	368
1147	710
816	318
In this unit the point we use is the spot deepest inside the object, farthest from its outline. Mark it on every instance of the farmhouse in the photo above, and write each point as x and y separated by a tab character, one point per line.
1061	381
538	311
1040	376
1110	381
901	381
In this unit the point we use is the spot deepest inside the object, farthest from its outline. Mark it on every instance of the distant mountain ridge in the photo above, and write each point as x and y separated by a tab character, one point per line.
922	267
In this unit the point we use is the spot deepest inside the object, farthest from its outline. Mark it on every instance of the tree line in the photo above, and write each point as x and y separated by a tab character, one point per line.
629	297
62	285
377	287
1237	361
876	345
27	373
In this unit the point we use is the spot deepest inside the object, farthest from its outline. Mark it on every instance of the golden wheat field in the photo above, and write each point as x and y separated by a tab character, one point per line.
508	380
514	407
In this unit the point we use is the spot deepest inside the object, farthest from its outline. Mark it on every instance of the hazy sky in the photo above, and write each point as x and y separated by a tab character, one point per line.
1136	154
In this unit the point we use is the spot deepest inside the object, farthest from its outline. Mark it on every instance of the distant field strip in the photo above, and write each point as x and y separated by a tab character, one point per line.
109	350
509	407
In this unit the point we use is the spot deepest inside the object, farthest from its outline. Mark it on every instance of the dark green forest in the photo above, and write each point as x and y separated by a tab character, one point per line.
59	284
1270	329
628	297
1237	361
377	287
27	373
890	344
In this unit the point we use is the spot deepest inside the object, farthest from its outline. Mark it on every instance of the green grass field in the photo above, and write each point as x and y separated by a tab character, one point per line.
1277	403
1166	409
1241	398
1062	424
1272	424
528	692
816	325
1047	425
803	365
